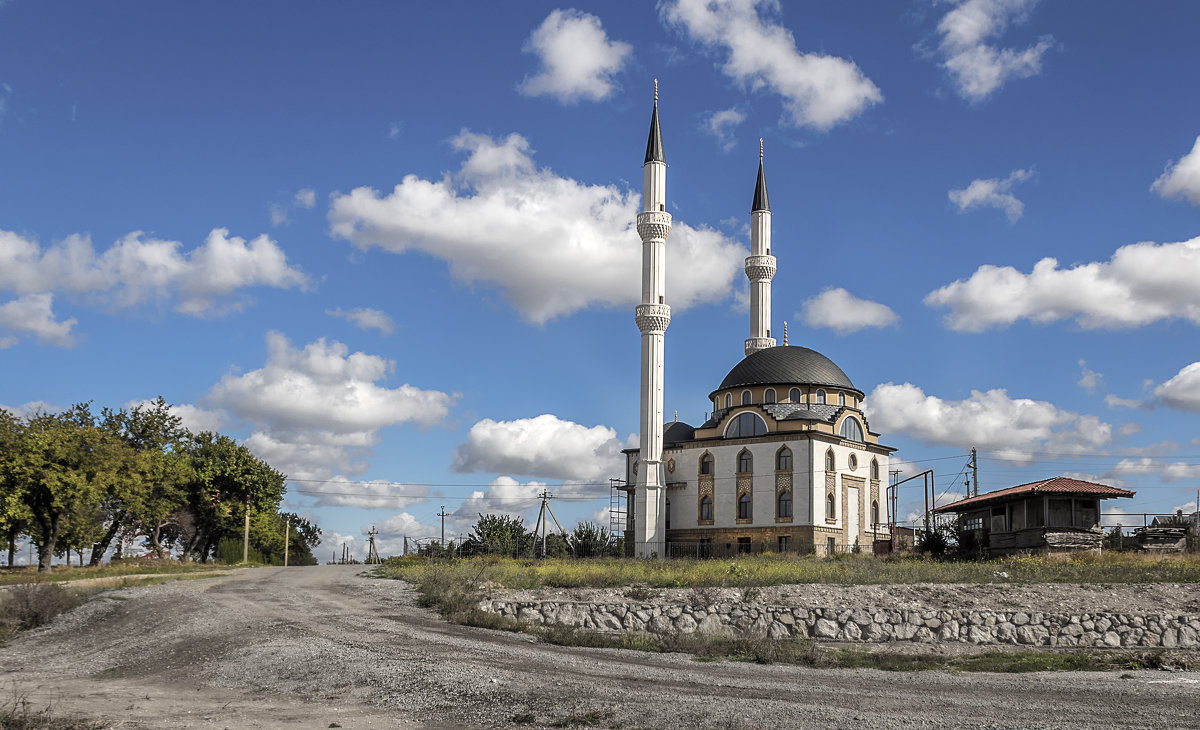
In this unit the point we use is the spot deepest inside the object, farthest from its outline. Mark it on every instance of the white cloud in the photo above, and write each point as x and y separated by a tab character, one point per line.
394	129
721	125
279	215
318	411
1181	179
819	91
1089	379
1015	429
1129	429
1183	390
844	313
376	494
365	318
992	193
33	314
31	408
1113	401
1142	283
504	496
977	67
137	269
7	342
544	446
578	59
531	233
305	198
194	418
393	530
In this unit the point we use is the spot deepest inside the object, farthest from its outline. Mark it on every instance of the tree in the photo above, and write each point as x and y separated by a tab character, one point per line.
500	535
589	540
14	513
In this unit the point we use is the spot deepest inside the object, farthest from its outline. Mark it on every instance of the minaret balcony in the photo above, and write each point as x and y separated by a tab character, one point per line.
754	344
760	268
653	318
654	225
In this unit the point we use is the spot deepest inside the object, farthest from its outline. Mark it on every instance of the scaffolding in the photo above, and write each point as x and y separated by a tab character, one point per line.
618	501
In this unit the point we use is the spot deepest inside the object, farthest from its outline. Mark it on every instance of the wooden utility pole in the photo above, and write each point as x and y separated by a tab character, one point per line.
372	553
287	533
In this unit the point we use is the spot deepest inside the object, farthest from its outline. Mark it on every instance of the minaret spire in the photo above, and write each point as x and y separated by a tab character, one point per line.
760	264
653	316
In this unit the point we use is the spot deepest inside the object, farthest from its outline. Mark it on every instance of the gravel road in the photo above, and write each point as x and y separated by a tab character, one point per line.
331	647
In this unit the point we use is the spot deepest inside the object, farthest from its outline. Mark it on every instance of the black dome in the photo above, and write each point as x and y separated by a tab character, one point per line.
786	366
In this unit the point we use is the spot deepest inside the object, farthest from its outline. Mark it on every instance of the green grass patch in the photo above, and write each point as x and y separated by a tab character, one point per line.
108	570
20	714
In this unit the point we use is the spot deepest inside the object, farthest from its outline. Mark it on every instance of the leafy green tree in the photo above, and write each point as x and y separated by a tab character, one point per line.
14	512
161	468
500	535
589	540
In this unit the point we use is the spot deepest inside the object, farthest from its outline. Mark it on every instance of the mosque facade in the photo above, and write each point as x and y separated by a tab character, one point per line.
786	461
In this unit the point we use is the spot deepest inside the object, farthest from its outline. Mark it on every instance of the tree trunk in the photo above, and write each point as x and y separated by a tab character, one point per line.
102	546
12	547
46	548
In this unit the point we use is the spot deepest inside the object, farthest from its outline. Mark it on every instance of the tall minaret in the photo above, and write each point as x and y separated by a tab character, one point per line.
653	316
760	265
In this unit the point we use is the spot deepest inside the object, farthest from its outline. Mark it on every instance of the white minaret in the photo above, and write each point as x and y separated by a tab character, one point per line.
760	265
653	316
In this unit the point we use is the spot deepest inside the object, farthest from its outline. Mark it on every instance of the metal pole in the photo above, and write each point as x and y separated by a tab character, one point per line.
287	532
975	469
246	535
443	515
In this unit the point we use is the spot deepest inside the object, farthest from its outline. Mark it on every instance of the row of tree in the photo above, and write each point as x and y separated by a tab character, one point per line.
507	535
77	481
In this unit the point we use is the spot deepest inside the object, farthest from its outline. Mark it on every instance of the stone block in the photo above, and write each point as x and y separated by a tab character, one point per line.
1020	618
712	625
1170	638
685	624
1006	633
1111	638
825	629
852	632
778	630
660	625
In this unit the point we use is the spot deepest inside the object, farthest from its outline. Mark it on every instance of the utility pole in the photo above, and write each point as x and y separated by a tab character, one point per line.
372	553
287	533
974	470
246	534
443	514
542	519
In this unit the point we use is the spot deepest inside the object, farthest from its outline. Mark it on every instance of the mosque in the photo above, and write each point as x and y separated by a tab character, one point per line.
787	460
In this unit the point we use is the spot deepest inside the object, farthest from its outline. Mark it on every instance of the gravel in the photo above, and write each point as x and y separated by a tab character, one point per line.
329	646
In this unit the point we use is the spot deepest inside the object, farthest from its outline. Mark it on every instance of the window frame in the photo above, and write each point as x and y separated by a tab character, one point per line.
784	453
707	459
875	469
745	458
857	427
821	397
745	506
747	398
706	506
830	507
794	395
769	395
830	460
779	504
740	419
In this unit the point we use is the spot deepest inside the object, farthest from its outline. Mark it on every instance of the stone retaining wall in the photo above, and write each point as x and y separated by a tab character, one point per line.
866	624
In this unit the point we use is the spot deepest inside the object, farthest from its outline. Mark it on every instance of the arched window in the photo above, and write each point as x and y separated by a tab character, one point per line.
769	396
784	504
729	400
852	462
783	459
841	399
852	429
821	397
706	464
829	460
747	399
830	508
875	469
874	512
745	425
668	517
744	506
794	395
705	508
745	462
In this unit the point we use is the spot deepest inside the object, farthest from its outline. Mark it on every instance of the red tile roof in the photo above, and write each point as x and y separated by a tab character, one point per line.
1056	485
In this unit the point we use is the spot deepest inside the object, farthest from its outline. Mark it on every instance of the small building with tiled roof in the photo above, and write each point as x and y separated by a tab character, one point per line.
1053	515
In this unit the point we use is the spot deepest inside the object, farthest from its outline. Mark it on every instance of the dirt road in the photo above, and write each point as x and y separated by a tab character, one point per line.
328	647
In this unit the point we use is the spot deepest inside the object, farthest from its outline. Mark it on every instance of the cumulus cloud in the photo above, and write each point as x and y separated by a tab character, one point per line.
33	314
305	198
818	91
279	215
993	193
1183	390
544	446
578	59
194	418
721	125
503	222
1181	179
365	318
1113	401
1089	379
317	411
1141	283
31	408
137	269
1015	429
977	67
504	496
376	494
844	313
1129	429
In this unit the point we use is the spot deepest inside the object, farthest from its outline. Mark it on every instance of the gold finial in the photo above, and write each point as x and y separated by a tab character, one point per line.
785	333
760	149
655	91
677	415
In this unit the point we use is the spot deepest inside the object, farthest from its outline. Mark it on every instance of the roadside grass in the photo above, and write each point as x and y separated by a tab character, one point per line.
9	576
20	714
641	577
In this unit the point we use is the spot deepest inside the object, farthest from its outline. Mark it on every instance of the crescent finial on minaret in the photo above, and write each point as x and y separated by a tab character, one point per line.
760	148
785	333
655	91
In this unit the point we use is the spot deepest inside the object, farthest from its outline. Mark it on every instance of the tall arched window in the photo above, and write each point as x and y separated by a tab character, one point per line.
745	462
794	395
874	512
747	399
729	400
841	399
821	397
830	508
769	396
783	459
705	508
745	425
706	464
875	469
784	507
829	460
852	429
744	507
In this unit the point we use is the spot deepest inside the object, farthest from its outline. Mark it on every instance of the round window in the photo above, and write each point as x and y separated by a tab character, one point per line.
853	462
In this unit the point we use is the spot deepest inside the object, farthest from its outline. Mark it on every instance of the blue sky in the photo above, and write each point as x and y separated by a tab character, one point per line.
390	245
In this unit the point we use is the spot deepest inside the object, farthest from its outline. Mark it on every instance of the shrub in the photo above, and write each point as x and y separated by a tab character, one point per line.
29	605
